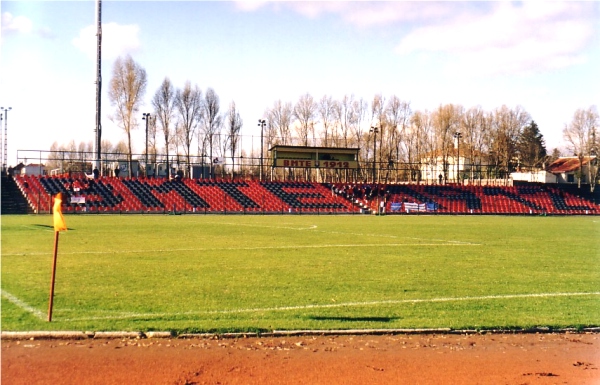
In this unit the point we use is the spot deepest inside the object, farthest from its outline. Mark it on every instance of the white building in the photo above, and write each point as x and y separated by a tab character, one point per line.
567	169
458	166
562	170
33	169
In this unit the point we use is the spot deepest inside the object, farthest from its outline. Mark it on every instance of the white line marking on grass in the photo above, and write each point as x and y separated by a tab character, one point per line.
359	234
22	305
313	227
374	235
329	306
283	247
402	301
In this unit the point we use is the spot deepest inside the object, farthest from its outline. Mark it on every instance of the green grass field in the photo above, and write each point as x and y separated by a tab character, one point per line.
260	273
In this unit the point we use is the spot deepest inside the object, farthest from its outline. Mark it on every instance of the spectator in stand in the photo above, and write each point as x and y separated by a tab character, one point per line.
179	176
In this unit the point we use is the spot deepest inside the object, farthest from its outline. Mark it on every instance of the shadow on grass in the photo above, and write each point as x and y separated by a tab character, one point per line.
49	227
354	319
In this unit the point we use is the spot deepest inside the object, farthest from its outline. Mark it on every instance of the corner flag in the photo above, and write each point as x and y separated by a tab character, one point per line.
59	220
59	225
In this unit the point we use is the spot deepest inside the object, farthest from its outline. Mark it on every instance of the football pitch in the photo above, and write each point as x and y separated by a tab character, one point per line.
236	273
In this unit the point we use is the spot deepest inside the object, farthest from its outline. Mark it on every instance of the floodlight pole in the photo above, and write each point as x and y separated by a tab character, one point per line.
1	151
98	85
5	146
261	124
146	117
457	135
374	130
593	162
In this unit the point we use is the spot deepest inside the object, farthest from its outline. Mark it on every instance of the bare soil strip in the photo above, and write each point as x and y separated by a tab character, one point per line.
545	358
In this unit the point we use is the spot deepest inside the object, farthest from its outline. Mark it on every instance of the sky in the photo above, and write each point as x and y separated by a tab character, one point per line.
541	55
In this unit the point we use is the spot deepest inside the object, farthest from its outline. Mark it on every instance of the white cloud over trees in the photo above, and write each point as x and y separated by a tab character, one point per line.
117	40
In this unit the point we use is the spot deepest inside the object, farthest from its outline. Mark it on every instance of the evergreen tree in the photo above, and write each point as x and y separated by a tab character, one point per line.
531	147
554	155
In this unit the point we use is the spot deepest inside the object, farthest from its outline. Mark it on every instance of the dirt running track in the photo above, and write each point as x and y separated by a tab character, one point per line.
365	359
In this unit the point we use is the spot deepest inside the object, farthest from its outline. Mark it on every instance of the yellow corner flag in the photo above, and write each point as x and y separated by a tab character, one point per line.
59	220
59	225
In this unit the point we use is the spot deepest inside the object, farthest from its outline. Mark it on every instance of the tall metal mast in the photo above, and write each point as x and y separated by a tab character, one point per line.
98	85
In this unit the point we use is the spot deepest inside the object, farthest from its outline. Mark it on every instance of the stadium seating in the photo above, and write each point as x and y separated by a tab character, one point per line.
456	199
154	195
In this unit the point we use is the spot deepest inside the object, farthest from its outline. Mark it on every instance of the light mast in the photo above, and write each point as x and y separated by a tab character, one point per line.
98	130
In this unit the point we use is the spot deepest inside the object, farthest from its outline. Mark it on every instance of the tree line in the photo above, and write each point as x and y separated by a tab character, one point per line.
189	123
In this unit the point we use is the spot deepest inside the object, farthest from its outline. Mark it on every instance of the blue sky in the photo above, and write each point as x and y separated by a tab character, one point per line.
541	55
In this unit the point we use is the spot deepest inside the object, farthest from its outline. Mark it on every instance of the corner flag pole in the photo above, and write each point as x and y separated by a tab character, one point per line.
59	225
51	302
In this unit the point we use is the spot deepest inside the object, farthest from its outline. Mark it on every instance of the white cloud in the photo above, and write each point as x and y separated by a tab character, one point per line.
385	13
46	32
117	40
478	38
360	13
314	9
514	38
249	6
14	25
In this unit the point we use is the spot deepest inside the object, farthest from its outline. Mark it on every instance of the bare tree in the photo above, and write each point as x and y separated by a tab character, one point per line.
189	108
212	122
345	114
270	132
304	112
358	125
326	112
446	122
115	151
233	126
337	129
392	113
164	108
53	161
378	121
421	133
473	130
507	127
152	144
280	119
582	141
107	147
71	157
397	115
126	91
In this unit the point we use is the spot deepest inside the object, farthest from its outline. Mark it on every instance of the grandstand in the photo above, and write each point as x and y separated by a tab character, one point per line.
157	195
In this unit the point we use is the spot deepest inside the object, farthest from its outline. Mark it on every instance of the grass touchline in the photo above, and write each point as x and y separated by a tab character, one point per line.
336	305
291	247
22	304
